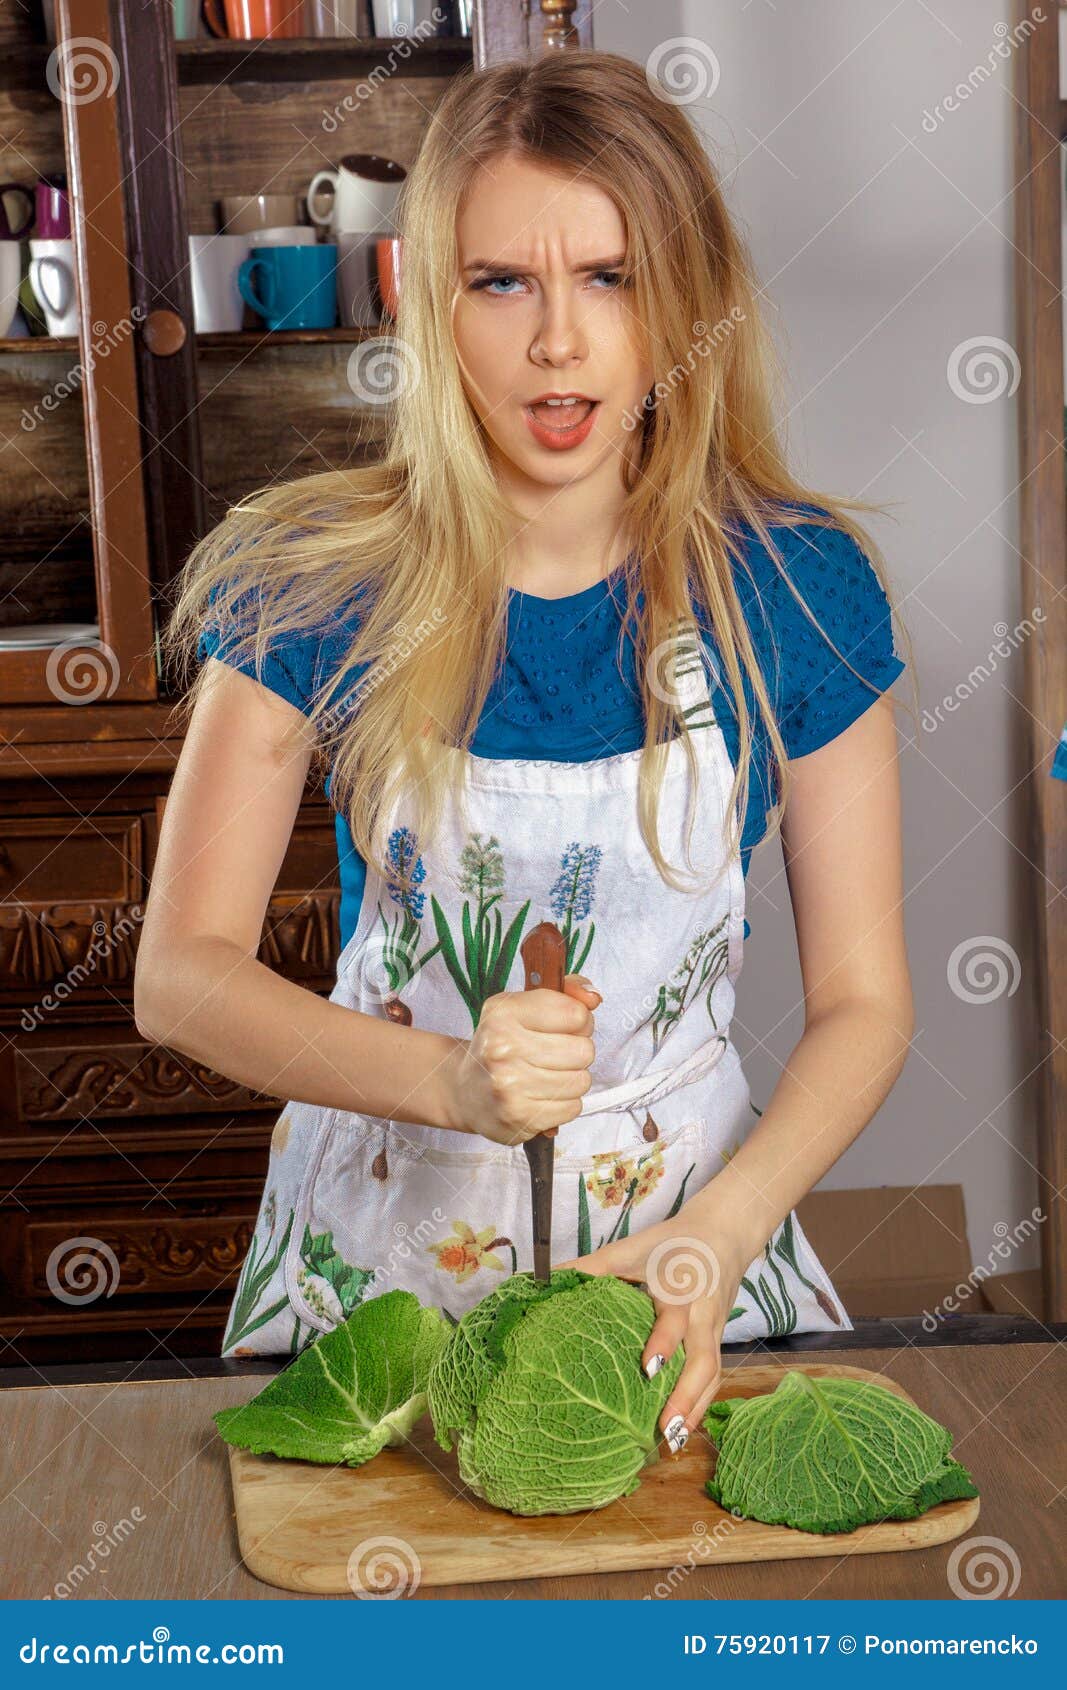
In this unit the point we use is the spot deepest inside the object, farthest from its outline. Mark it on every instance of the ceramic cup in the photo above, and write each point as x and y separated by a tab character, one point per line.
333	17
214	261
16	211
53	283
239	214
252	20
10	277
186	19
289	234
387	264
52	206
357	289
359	197
292	287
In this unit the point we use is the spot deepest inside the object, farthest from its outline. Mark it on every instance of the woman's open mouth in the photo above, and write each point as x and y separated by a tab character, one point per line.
561	426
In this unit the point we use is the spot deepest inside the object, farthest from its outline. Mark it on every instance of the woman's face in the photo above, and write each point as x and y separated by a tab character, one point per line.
540	309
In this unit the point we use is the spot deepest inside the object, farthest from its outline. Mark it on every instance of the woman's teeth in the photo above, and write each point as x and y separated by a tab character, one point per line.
562	413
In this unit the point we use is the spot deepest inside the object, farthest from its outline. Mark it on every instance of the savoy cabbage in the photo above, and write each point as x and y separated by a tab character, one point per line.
828	1455
350	1393
542	1382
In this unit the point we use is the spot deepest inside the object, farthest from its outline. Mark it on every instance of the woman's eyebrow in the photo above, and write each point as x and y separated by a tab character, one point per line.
490	266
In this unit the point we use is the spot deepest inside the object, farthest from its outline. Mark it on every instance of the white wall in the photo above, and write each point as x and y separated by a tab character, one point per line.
881	247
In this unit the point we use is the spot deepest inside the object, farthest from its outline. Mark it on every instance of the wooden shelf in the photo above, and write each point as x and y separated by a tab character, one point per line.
250	340
318	59
39	343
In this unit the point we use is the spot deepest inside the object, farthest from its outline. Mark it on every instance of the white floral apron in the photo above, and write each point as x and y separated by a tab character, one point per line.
355	1205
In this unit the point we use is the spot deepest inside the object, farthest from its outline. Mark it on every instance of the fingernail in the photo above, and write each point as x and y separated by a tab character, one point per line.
676	1433
653	1365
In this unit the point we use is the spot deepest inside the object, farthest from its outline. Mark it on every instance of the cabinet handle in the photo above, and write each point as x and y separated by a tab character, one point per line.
164	333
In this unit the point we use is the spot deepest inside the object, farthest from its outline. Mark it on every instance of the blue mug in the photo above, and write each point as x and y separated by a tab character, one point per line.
292	287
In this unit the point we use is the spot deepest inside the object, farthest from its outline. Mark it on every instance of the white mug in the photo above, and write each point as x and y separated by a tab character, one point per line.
53	283
358	197
333	17
10	277
284	234
214	261
357	277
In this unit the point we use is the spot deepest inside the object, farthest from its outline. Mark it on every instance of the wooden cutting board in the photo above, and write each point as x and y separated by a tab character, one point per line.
405	1519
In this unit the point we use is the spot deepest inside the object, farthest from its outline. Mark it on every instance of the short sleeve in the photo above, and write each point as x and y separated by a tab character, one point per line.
817	693
289	666
1058	770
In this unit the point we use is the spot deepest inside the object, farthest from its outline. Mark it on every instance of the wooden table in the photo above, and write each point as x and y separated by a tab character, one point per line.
117	1469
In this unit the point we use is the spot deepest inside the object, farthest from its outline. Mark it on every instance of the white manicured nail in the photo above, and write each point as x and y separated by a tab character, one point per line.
653	1365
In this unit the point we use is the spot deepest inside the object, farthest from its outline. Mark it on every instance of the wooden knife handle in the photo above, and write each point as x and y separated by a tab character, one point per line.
544	955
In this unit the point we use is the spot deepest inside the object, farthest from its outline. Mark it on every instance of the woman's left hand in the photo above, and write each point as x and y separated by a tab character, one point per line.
693	1286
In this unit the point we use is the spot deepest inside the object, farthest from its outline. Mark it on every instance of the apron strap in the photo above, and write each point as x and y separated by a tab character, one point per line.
648	1088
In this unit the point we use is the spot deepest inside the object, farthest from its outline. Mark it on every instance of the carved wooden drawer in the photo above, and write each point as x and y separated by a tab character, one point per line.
45	858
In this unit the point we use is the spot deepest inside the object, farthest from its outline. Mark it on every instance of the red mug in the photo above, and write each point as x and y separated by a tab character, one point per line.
388	253
251	20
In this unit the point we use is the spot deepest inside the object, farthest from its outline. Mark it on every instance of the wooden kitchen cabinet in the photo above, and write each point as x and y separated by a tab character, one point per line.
120	446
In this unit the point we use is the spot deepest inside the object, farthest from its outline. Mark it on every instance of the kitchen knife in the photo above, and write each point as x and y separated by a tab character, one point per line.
544	954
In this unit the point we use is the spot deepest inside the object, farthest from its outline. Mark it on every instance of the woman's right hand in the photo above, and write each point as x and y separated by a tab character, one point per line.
527	1066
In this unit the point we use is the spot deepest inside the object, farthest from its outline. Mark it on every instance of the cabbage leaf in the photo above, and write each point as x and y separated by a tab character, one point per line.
829	1455
351	1392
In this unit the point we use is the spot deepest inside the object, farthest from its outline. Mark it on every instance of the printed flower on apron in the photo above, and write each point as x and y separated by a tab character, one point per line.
487	954
571	898
467	1251
704	964
256	1274
331	1285
619	1180
398	953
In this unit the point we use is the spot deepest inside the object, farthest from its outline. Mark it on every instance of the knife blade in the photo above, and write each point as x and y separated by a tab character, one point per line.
544	955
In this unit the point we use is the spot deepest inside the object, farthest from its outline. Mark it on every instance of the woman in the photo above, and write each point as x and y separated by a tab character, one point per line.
561	650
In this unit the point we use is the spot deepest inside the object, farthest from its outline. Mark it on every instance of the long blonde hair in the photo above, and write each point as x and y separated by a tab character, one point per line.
418	538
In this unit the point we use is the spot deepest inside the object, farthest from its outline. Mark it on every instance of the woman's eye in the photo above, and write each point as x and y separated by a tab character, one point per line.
485	283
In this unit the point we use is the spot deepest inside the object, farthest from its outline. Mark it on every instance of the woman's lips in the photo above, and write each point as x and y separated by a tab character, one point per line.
560	437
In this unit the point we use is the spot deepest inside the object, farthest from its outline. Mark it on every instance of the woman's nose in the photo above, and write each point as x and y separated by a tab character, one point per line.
559	335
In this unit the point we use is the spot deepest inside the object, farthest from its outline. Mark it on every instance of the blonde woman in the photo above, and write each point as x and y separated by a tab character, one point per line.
565	652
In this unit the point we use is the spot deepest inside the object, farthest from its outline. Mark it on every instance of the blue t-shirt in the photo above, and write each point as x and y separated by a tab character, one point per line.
561	696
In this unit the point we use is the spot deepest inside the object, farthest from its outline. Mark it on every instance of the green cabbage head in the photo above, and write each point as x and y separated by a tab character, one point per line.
542	1382
828	1455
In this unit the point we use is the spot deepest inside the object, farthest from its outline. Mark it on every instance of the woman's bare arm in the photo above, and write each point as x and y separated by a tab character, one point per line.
198	987
841	835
